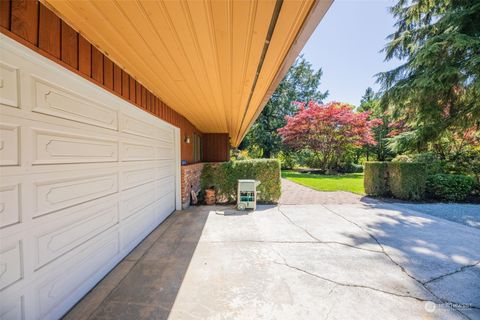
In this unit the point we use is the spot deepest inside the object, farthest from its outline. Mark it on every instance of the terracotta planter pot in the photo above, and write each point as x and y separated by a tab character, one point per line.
210	196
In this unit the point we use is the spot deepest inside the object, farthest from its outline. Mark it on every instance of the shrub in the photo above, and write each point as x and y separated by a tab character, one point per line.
350	168
401	180
287	160
466	163
407	180
224	176
375	179
450	187
433	164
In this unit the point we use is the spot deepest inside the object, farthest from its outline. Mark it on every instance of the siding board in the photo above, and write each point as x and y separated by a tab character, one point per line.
125	85
69	46
132	90
138	94
49	32
24	20
108	73
143	100
5	14
97	65
117	79
84	56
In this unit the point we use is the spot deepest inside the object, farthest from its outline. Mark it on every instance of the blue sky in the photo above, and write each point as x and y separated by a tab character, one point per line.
346	46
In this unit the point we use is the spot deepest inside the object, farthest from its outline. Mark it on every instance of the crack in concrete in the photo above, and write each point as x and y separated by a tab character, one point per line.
383	251
422	284
463	268
317	240
350	285
297	242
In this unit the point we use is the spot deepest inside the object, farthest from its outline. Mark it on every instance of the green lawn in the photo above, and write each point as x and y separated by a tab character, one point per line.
352	182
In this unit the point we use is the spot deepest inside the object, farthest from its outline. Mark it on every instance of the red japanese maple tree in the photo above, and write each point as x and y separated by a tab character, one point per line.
328	130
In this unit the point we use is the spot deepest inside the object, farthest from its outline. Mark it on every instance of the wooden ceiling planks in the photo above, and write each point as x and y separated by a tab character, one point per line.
200	57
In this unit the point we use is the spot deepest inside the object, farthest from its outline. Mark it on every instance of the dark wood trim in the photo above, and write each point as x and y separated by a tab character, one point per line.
69	46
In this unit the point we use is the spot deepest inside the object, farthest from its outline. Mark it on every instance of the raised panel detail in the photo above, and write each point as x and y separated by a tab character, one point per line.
9	205
133	178
164	153
136	152
54	195
13	311
165	186
10	264
58	147
55	101
138	198
144	129
9	142
8	85
138	227
77	272
87	223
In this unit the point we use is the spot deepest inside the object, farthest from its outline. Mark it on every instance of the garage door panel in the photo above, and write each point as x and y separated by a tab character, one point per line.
144	151
10	85
53	147
131	125
81	270
139	226
11	267
13	309
53	240
84	177
139	176
166	207
56	101
9	205
140	197
9	144
52	195
137	152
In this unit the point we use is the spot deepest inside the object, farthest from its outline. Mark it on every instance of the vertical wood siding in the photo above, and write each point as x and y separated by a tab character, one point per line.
216	147
37	27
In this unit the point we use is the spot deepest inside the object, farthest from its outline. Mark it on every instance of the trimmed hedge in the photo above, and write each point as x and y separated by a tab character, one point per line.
398	179
224	176
450	187
407	180
375	178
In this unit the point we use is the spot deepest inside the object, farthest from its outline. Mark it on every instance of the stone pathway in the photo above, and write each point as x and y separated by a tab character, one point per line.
293	193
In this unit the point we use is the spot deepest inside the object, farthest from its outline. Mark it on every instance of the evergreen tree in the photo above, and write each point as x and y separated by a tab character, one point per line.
301	84
438	86
370	102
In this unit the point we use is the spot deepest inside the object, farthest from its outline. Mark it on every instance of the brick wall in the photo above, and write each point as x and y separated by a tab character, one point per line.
190	180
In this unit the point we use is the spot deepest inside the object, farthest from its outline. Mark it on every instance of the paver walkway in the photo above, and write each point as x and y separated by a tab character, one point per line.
294	193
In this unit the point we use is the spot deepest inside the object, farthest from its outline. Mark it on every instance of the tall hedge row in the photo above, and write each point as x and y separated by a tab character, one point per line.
375	178
224	176
407	180
398	179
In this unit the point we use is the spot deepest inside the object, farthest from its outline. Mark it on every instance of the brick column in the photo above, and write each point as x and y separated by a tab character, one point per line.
190	181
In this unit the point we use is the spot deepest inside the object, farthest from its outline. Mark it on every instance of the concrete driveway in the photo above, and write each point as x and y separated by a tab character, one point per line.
350	261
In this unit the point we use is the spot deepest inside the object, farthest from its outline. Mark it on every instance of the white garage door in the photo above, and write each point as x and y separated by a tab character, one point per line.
85	176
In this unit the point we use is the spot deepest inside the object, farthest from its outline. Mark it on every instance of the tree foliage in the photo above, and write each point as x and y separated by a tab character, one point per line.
300	84
437	87
328	130
385	129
